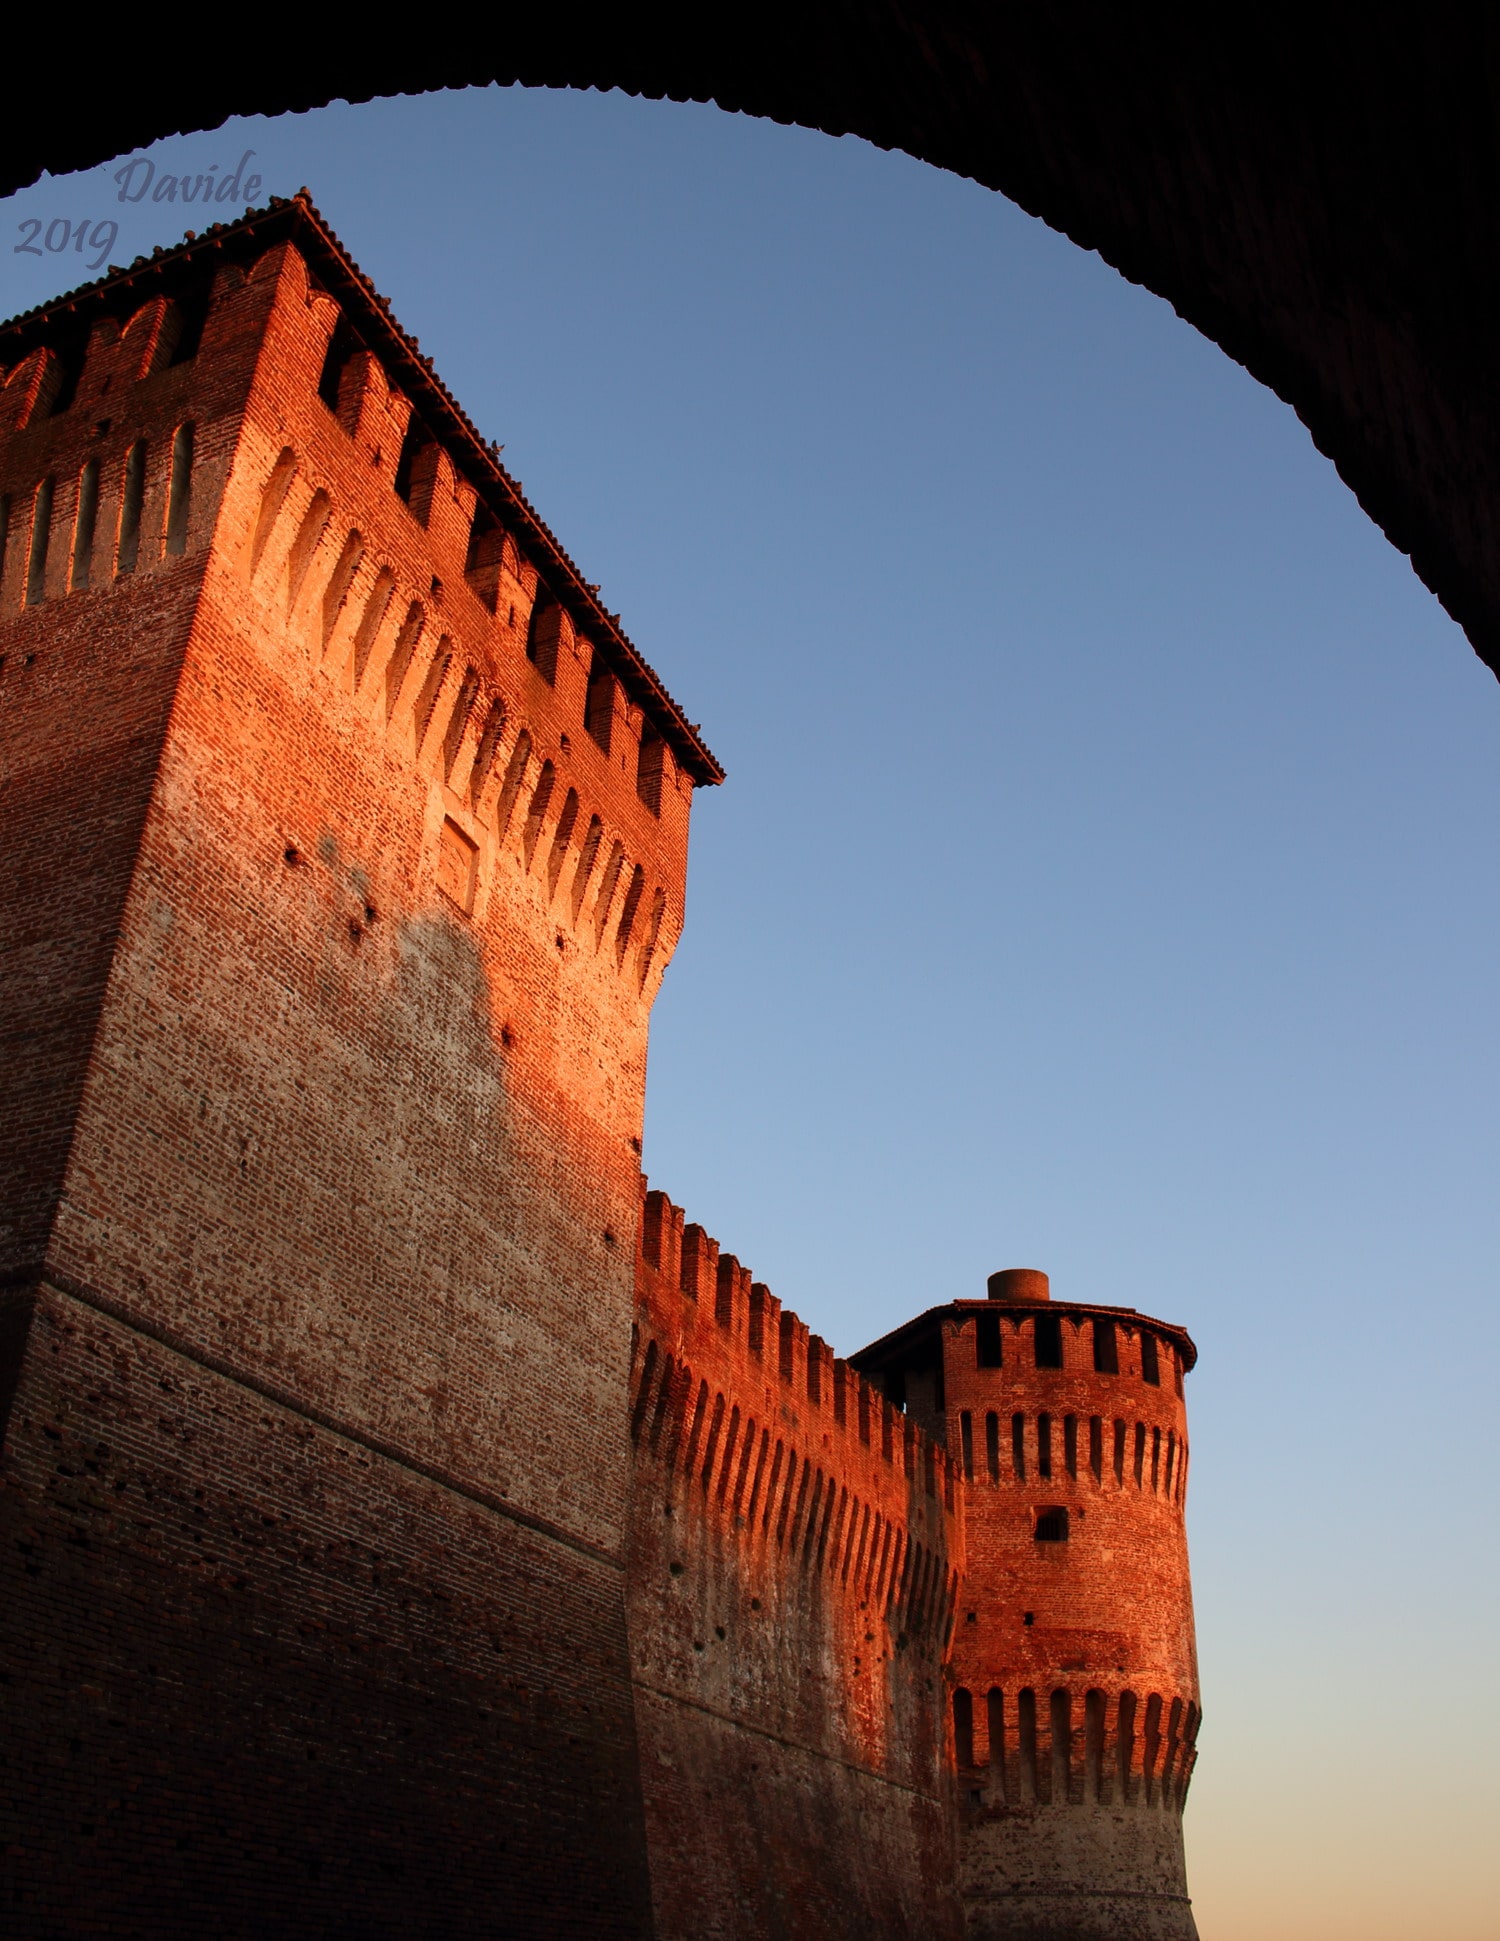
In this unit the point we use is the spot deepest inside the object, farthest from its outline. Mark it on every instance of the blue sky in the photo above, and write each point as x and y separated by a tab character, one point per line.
1105	880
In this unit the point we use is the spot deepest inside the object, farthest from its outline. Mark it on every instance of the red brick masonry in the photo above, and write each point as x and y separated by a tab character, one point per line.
368	1572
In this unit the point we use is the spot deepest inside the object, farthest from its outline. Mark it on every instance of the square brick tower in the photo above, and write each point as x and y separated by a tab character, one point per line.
345	837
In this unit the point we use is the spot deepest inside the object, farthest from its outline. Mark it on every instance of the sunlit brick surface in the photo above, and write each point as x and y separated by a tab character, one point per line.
1073	1674
411	1525
331	932
793	1560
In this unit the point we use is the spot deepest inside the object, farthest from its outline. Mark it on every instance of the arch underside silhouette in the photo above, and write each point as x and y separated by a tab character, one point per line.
1314	191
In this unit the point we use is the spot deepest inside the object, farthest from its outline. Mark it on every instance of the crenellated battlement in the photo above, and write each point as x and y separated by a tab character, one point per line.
458	704
347	836
1021	1449
1078	1745
699	1303
375	537
94	348
795	1557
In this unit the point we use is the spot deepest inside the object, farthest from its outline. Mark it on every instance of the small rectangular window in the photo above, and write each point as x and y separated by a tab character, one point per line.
41	533
458	859
192	316
485	559
1047	1331
1106	1349
71	356
132	499
1027	1735
787	1337
650	769
180	490
1150	1366
338	386
987	1353
995	1708
963	1728
599	703
83	526
543	634
412	442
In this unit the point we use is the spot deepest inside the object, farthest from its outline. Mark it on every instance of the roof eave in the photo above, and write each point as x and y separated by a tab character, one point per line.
298	217
888	1344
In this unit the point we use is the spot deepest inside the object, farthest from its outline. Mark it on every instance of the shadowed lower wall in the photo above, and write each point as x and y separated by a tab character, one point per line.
793	1553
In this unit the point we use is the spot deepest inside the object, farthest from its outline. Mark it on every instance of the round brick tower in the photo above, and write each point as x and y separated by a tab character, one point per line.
1073	1675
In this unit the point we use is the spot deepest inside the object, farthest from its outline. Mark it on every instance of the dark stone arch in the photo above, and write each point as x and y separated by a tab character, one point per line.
1315	191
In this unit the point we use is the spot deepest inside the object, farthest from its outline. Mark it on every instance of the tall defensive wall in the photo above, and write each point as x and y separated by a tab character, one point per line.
795	1553
345	837
410	1525
1073	1670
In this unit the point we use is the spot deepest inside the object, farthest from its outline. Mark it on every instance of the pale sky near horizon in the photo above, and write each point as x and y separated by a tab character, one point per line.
1105	881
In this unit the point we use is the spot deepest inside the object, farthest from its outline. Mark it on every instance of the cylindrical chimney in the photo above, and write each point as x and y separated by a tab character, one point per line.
1019	1284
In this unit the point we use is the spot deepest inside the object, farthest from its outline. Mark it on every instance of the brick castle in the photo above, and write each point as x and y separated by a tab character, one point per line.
411	1525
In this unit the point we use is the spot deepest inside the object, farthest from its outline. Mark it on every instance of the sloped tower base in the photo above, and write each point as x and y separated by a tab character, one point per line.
1018	1869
